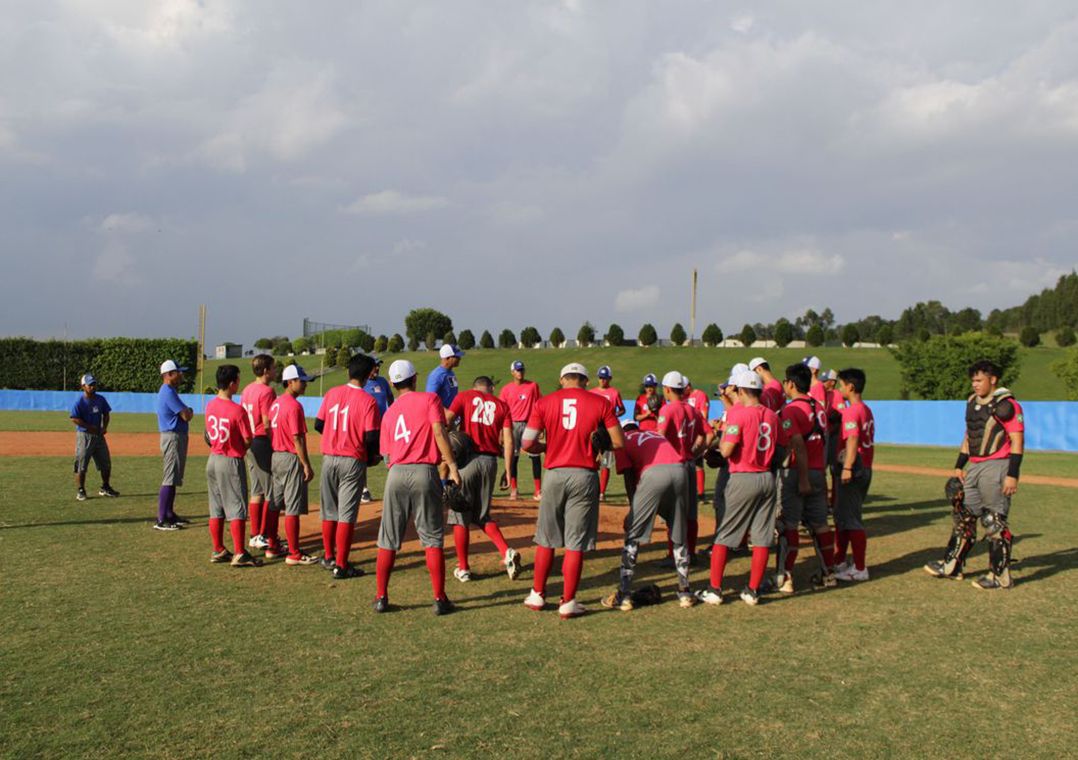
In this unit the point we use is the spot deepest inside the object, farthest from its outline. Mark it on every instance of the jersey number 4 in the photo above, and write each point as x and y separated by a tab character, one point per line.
401	431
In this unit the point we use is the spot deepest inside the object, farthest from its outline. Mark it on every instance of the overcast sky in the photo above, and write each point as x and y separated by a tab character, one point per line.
516	163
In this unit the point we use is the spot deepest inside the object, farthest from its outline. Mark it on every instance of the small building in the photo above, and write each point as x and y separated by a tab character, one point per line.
228	351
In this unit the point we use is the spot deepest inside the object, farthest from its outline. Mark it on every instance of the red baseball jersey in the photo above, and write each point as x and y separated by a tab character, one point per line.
1015	424
643	450
613	395
819	393
407	434
227	427
287	421
569	416
773	397
754	430
699	401
520	398
796	419
680	423
257	398
648	422
857	420
483	418
349	412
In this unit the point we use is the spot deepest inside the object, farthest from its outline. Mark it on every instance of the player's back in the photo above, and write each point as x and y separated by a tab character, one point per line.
569	416
407	435
482	417
756	428
348	412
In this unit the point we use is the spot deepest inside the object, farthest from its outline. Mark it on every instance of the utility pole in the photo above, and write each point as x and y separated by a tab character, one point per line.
692	317
201	353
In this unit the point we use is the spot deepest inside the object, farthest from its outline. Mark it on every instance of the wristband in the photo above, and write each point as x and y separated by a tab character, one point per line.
963	457
1014	464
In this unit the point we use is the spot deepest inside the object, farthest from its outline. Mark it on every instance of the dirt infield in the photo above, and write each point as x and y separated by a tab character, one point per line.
936	472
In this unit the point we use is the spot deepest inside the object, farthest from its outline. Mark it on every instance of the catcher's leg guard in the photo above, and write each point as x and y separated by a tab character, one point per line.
963	537
999	557
681	563
628	565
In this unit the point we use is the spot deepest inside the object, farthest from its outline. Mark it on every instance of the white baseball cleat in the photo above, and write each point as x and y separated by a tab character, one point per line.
535	601
571	609
709	595
852	574
258	542
512	563
462	575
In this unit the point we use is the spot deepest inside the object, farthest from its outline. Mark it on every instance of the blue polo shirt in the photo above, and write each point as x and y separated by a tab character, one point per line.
169	407
90	410
443	382
378	387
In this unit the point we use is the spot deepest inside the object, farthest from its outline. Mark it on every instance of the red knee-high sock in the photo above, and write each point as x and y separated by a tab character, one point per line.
237	529
572	564
858	542
291	531
343	538
495	535
436	566
692	533
513	483
255	510
383	569
604	479
329	535
700	482
538	485
842	540
759	566
718	564
461	536
792	541
827	547
269	528
217	533
544	558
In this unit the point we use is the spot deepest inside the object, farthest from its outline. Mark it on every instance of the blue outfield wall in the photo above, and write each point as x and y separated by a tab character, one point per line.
1050	425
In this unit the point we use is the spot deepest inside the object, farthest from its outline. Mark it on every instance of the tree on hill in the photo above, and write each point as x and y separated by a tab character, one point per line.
885	336
413	343
678	336
330	358
466	340
814	337
426	321
965	321
784	333
937	368
850	335
395	344
712	335
1050	309
748	336
1065	337
647	335
615	336
450	337
344	355
1029	337
282	347
486	340
530	337
380	344
1066	369
264	343
301	345
430	342
585	336
507	339
557	338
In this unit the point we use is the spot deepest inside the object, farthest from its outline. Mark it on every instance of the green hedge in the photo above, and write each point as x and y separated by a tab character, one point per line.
119	364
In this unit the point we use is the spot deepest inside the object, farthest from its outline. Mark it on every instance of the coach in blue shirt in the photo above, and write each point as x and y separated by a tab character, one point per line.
378	387
172	418
442	381
90	413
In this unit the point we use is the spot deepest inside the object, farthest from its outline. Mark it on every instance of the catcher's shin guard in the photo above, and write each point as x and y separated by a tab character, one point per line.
963	537
999	557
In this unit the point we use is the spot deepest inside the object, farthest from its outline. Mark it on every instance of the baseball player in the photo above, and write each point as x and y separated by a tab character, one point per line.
91	413
569	510
648	403
413	441
727	395
442	381
748	443
773	396
521	396
802	483
853	472
348	420
816	389
613	395
684	427
655	479
257	398
228	433
291	468
993	448
379	389
486	421
699	401
173	417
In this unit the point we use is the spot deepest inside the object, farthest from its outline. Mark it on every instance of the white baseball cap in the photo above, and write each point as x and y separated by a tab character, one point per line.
294	372
171	366
450	350
749	379
757	362
738	368
688	382
401	370
88	379
673	379
828	374
812	362
517	366
574	368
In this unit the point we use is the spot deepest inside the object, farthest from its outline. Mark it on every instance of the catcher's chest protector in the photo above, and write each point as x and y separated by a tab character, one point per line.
983	426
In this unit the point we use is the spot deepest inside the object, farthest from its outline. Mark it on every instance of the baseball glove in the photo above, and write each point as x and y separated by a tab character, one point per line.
461	446
454	498
600	441
655	403
954	490
713	459
646	595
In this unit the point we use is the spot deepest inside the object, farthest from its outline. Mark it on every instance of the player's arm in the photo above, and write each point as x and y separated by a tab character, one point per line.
1018	442
800	452
530	442
507	446
83	424
963	457
851	456
699	444
447	453
301	452
106	416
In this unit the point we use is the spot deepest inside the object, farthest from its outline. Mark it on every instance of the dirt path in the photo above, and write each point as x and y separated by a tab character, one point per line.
936	472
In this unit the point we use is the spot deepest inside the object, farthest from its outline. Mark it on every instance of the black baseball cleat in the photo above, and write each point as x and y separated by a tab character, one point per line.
165	526
938	569
381	604
442	606
81	495
177	520
348	571
327	563
108	491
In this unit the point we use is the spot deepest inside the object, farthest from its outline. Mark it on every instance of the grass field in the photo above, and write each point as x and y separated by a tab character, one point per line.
121	641
705	366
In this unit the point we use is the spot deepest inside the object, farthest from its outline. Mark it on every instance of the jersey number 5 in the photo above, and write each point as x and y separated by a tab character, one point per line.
568	413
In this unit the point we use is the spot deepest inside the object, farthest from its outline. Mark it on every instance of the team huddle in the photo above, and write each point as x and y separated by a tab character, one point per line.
775	445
